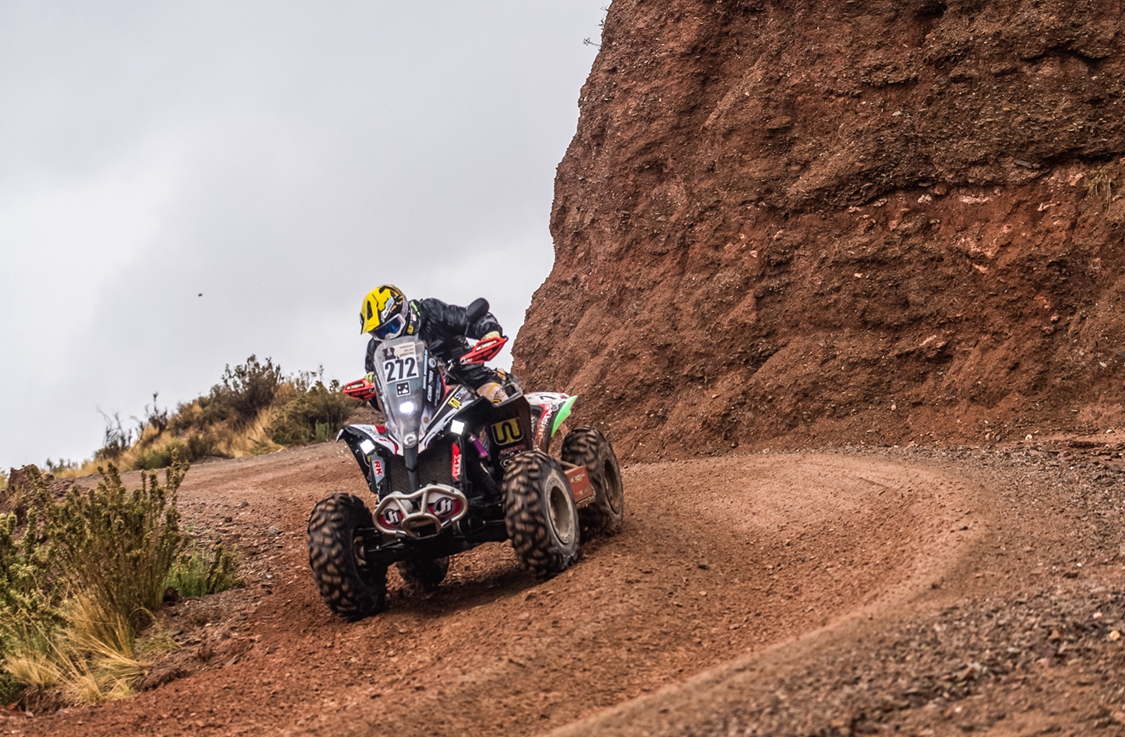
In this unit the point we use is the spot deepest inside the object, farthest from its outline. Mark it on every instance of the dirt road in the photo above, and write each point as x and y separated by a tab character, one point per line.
735	575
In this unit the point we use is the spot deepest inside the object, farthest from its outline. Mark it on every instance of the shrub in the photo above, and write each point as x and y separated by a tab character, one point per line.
81	582
161	456
246	390
118	547
30	589
254	409
115	441
314	415
29	592
205	571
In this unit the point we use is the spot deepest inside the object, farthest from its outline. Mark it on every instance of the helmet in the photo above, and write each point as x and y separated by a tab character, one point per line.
384	312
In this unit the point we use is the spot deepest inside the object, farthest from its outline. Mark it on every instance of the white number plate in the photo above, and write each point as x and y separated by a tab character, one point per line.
401	368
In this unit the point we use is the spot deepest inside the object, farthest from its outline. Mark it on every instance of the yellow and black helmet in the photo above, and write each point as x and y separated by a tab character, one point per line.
384	313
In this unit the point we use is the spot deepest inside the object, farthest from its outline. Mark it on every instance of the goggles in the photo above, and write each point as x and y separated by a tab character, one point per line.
390	329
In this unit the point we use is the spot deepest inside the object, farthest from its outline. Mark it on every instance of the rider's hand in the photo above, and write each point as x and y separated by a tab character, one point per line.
489	336
370	376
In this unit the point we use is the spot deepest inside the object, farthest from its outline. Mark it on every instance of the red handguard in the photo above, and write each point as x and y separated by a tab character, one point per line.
484	351
360	389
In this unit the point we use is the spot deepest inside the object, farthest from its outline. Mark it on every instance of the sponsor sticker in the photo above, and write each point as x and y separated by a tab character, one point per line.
377	468
544	423
445	506
456	470
507	455
507	432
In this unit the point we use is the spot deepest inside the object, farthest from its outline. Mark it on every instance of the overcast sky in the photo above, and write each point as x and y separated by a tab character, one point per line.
280	158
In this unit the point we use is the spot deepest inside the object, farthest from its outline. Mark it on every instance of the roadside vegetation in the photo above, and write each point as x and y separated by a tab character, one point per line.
83	573
81	576
255	408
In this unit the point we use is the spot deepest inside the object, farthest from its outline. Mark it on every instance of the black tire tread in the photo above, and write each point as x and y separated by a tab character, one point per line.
587	446
527	519
349	587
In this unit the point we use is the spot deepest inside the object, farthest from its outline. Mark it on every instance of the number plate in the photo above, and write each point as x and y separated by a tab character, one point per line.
401	368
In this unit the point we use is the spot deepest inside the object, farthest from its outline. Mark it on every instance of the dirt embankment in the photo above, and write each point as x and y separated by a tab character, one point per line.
802	224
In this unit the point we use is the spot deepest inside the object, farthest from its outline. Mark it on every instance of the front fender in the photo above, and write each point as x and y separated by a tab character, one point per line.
362	440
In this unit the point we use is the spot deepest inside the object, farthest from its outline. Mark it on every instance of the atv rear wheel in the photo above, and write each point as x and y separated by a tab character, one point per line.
586	446
540	515
349	585
423	573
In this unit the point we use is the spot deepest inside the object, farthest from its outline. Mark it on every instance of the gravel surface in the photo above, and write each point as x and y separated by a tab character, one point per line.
851	591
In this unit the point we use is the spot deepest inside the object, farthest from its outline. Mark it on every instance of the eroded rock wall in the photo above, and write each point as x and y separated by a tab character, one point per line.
787	223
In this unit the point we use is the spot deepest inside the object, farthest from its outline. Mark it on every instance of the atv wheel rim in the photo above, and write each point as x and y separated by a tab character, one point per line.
562	513
613	490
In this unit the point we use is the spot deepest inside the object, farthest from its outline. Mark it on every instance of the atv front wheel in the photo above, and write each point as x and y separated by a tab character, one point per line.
586	446
540	515
423	573
349	585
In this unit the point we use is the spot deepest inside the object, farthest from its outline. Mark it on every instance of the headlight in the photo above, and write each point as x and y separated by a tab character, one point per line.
406	408
457	427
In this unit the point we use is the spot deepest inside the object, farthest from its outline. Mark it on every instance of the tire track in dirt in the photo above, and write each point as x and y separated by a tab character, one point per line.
718	558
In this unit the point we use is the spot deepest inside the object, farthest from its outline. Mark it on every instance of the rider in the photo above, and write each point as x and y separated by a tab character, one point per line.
387	314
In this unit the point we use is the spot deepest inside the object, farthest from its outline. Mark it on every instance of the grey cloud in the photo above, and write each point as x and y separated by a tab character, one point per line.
280	158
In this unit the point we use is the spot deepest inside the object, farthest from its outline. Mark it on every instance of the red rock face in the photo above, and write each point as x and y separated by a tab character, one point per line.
786	223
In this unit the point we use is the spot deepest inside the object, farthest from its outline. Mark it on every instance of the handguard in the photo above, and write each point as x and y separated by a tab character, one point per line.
484	351
360	389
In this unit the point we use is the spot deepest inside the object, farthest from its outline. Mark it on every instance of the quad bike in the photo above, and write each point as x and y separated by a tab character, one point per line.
451	470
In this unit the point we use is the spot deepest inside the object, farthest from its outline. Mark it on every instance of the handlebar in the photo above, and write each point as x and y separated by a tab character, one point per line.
484	351
360	389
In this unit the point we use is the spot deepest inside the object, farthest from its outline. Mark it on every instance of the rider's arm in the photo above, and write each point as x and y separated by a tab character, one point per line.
369	367
369	361
454	319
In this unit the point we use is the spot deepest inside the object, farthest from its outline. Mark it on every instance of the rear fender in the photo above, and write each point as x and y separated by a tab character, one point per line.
363	441
549	411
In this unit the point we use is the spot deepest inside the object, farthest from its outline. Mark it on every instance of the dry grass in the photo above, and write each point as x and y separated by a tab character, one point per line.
223	441
254	410
76	591
1099	186
95	658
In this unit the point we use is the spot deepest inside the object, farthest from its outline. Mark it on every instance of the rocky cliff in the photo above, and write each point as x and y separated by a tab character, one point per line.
817	223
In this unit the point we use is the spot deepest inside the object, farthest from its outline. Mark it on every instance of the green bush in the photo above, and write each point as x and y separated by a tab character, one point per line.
202	445
30	589
30	586
81	577
246	390
230	420
118	547
202	572
161	456
314	415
